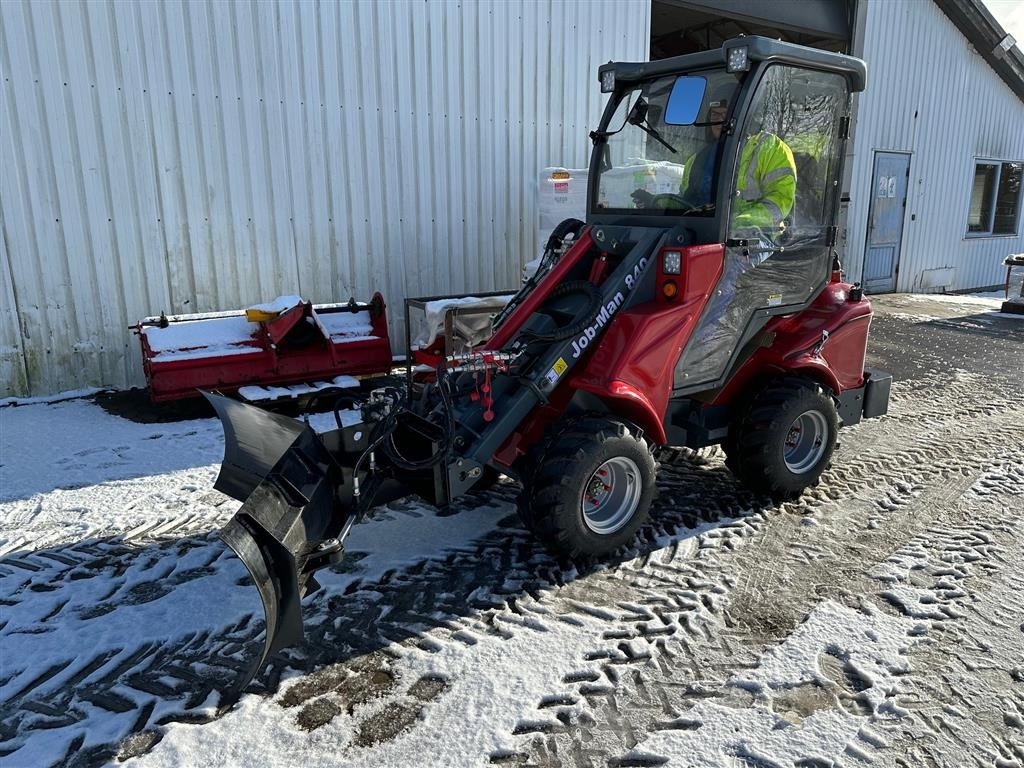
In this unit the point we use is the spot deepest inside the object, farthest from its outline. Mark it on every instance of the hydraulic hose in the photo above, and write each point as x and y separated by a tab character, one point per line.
391	450
551	249
583	319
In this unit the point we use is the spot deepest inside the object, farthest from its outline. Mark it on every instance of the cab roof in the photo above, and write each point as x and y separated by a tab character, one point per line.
758	49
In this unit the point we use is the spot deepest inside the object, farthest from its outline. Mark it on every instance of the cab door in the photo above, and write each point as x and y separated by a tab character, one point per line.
781	230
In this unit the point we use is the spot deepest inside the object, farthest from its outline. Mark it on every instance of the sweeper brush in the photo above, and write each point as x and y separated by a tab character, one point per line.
288	346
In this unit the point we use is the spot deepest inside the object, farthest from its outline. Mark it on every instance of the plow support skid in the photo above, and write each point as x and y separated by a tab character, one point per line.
296	501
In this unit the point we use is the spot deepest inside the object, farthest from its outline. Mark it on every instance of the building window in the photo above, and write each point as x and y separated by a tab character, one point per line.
1008	199
995	198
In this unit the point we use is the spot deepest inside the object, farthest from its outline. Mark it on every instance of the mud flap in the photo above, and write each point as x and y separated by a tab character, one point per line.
296	504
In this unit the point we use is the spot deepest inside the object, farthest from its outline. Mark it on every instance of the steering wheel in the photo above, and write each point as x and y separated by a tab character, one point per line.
645	199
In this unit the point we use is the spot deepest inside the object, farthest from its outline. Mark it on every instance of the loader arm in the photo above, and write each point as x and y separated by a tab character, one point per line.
302	491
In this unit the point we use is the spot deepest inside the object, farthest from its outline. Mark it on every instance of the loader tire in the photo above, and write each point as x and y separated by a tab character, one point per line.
784	440
592	491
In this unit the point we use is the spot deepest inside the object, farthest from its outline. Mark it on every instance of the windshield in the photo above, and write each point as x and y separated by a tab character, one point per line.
653	166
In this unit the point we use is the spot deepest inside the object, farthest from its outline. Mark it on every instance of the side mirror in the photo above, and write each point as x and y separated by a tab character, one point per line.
638	114
685	100
622	112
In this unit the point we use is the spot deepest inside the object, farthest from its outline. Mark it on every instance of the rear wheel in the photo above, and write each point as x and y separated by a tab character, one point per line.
785	440
593	489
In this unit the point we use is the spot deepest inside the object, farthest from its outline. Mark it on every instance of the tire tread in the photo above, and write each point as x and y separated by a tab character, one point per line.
554	478
750	455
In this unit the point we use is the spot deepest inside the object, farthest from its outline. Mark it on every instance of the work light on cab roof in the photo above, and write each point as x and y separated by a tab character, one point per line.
737	59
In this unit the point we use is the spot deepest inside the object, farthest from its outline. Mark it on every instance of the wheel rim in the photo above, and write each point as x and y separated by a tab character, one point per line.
806	442
611	495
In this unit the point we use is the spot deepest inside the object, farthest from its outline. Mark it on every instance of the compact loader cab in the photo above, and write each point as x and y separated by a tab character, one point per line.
740	148
700	303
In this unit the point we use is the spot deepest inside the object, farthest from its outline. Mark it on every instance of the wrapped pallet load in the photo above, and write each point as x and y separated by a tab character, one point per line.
656	177
562	194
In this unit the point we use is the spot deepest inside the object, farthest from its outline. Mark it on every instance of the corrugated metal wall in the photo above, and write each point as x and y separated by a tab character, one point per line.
198	156
931	94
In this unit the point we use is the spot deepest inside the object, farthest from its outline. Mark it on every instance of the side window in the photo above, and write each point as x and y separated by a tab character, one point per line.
995	199
788	153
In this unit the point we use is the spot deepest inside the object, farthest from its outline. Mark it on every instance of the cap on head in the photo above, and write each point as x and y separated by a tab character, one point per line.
719	97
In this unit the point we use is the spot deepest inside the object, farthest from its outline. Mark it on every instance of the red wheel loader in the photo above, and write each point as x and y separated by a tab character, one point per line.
700	303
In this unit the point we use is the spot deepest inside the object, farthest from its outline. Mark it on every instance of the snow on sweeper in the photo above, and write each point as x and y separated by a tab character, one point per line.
701	303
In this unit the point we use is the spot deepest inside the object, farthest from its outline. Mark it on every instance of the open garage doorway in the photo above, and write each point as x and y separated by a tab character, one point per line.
685	26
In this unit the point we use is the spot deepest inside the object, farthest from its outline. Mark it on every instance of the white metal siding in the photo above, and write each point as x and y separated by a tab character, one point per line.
931	94
200	156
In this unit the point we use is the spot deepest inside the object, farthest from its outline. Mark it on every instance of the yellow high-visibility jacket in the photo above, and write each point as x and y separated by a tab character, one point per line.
765	184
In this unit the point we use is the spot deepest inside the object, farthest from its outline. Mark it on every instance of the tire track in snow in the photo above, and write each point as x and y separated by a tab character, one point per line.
527	594
966	579
637	707
138	689
665	611
644	607
871	697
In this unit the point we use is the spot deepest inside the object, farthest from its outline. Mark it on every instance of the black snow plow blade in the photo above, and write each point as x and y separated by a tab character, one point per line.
296	503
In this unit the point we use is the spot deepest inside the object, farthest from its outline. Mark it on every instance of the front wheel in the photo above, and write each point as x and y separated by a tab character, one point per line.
785	439
593	489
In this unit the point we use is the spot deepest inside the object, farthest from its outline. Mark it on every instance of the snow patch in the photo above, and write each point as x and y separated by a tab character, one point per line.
213	336
280	304
254	393
107	509
170	589
475	328
75	443
912	318
492	690
70	394
346	326
990	299
873	645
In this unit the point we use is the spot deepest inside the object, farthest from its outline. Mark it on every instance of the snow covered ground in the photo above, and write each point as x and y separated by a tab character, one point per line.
876	621
990	303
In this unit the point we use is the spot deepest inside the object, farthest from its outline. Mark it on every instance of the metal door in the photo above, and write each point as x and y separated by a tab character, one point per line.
885	221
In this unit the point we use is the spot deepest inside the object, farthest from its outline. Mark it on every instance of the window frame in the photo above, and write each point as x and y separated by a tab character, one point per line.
992	200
